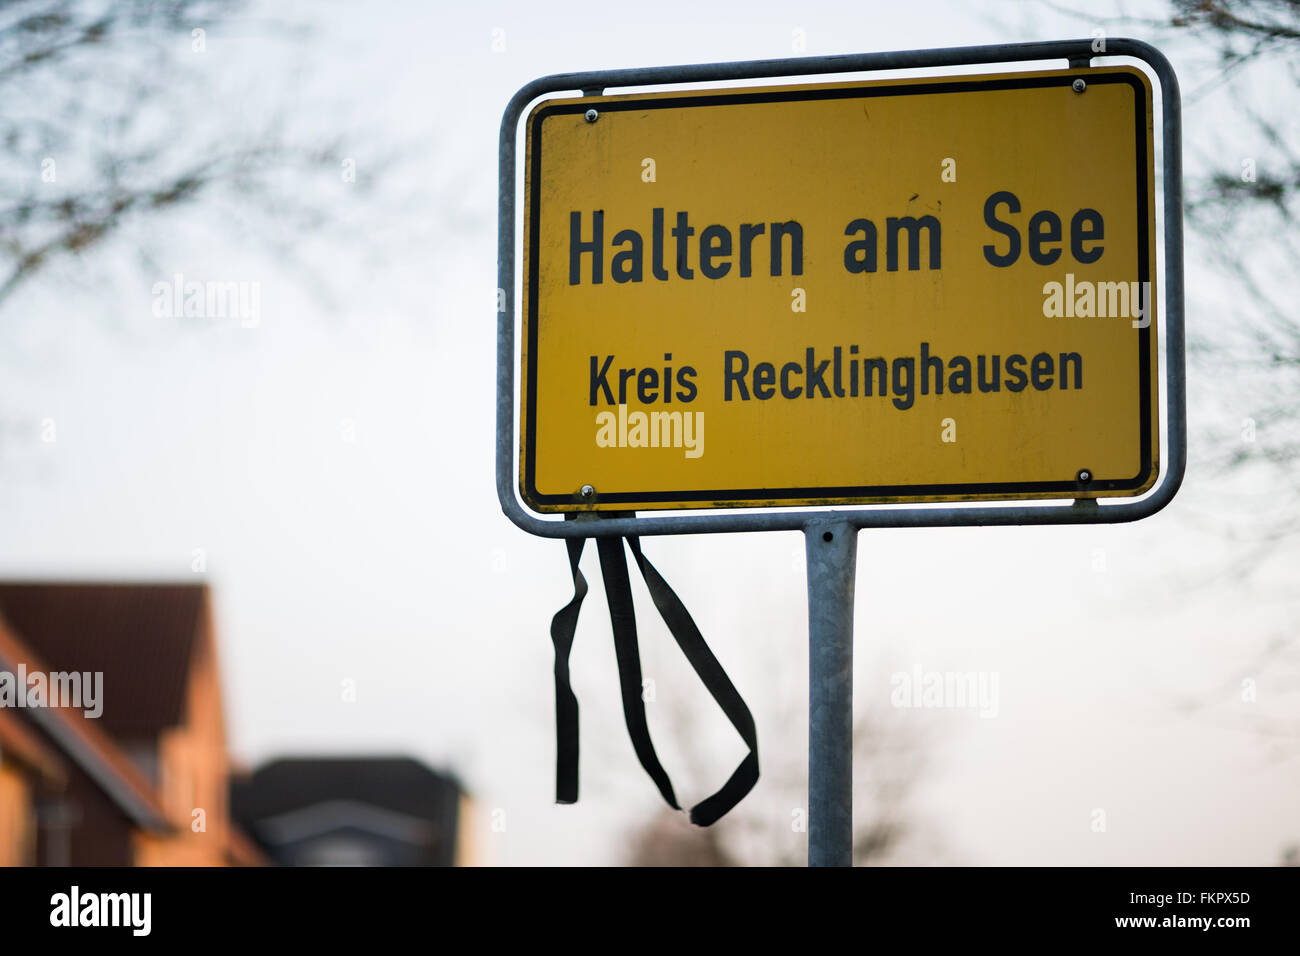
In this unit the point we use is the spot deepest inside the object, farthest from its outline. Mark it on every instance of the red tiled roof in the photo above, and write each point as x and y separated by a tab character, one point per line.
140	636
90	747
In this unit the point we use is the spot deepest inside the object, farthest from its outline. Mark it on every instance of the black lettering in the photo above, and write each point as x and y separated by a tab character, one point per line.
1096	231
930	363
686	390
748	233
764	380
682	233
1044	226
814	378
959	375
913	227
788	369
991	220
1068	360
903	383
860	254
647	385
714	241
577	247
1041	370
657	244
626	266
992	383
730	374
1015	369
795	231
598	380
879	366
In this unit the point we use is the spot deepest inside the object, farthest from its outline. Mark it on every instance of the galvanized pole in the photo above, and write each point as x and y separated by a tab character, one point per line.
832	550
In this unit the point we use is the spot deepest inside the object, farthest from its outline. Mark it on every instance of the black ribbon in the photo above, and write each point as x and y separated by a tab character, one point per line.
563	627
618	590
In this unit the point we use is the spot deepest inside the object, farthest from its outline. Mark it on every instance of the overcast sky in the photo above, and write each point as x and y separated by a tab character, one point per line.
335	465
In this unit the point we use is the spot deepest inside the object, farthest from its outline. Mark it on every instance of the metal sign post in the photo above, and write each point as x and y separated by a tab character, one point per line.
832	549
568	437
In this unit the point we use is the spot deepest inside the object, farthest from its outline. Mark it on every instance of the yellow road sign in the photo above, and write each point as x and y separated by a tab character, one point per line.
921	290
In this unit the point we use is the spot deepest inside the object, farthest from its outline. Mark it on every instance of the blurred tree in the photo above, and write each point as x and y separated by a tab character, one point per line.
1242	206
770	826
668	840
106	128
1239	66
1239	69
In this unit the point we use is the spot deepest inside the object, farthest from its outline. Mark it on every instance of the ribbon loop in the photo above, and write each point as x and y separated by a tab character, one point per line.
622	615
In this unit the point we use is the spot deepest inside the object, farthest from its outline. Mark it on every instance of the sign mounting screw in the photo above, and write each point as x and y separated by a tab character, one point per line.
587	491
592	115
1084	475
1078	86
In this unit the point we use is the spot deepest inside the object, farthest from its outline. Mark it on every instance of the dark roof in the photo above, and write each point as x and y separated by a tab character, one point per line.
400	784
140	636
387	811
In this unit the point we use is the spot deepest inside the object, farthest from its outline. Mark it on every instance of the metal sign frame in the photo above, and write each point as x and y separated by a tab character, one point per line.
830	534
1078	54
